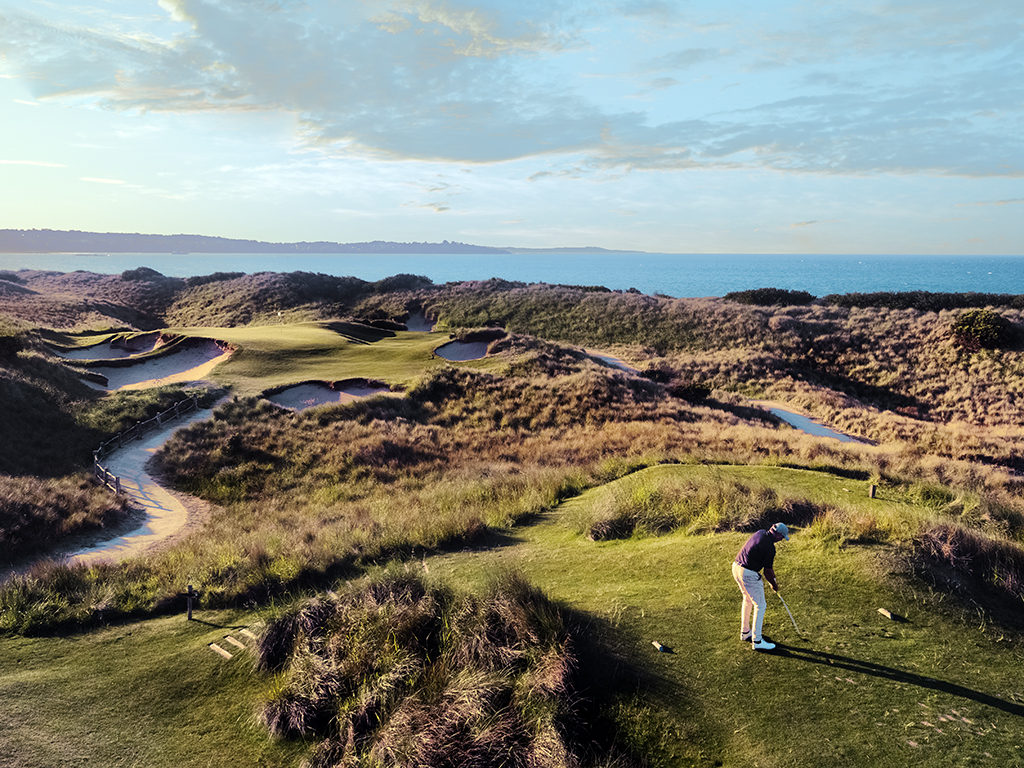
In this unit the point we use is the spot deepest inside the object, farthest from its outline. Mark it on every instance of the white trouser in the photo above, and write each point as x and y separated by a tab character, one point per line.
752	587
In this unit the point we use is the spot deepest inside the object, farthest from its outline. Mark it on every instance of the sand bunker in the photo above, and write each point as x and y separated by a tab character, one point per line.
460	351
191	363
112	350
420	323
313	393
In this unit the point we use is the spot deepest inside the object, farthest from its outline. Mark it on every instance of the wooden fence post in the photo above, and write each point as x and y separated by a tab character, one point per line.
871	490
190	595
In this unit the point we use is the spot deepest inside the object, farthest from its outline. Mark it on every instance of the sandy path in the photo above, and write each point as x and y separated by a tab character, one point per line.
610	360
801	420
166	512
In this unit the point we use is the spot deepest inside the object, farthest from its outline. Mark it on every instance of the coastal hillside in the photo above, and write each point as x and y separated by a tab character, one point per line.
494	521
71	241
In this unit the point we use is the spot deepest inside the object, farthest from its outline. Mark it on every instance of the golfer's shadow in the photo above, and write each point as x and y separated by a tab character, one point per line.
896	675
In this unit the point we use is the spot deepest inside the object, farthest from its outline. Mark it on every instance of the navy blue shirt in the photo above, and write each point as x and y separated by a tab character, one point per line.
758	552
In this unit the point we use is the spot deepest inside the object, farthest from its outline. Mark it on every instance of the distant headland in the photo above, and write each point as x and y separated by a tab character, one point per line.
73	241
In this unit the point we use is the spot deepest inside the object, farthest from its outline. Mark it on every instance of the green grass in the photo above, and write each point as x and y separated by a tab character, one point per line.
270	356
140	694
857	694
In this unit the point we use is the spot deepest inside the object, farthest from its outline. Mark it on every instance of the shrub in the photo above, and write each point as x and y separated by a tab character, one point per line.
770	296
970	563
141	273
213	277
925	301
981	329
401	282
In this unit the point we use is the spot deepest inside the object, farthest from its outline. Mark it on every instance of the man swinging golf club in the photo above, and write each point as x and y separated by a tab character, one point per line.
757	555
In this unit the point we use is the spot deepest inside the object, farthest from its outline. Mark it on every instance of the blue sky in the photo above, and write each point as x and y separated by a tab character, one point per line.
893	126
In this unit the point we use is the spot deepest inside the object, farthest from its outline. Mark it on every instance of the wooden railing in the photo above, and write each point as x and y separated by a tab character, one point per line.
134	432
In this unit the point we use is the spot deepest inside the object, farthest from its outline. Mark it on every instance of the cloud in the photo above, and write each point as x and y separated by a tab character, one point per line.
36	163
683	59
1009	201
99	180
921	87
436	207
812	222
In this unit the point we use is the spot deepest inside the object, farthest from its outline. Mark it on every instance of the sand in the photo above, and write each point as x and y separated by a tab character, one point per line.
311	394
609	360
191	364
460	351
166	513
803	422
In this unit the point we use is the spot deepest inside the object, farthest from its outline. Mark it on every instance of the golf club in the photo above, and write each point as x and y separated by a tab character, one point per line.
790	614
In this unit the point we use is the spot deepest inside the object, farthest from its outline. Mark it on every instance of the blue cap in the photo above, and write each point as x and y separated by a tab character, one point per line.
781	529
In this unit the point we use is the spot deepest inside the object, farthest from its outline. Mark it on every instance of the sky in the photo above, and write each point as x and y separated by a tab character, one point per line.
886	126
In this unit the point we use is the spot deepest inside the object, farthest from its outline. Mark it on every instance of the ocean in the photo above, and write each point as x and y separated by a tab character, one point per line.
670	274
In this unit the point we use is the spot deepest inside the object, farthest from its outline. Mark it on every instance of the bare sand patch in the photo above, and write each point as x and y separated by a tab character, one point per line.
798	419
192	363
310	394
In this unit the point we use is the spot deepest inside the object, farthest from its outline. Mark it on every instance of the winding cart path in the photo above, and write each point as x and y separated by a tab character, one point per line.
167	512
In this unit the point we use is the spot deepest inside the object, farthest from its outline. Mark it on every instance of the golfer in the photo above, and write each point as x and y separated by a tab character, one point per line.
757	555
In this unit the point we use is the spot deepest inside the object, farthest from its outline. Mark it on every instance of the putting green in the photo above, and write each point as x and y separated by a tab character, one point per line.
270	356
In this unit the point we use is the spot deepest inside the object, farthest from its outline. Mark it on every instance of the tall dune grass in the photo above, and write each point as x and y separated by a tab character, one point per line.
396	672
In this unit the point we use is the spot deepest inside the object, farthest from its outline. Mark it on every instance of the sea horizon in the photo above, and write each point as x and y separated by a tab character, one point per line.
677	275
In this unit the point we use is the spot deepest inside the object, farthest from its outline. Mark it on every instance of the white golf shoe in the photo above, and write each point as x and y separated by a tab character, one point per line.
762	645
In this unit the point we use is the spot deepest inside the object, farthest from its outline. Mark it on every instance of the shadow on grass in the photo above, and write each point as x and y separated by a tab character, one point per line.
896	675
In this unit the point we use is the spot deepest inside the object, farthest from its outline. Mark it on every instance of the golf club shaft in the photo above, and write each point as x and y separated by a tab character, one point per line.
789	612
